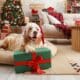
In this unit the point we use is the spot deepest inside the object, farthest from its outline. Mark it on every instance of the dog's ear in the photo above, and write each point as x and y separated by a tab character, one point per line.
25	33
26	29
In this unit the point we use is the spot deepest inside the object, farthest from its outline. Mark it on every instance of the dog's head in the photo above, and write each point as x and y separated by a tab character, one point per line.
32	31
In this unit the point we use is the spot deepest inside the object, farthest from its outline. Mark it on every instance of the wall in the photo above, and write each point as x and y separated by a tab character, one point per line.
59	5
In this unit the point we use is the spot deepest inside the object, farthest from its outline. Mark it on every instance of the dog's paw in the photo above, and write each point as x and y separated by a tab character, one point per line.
30	50
27	51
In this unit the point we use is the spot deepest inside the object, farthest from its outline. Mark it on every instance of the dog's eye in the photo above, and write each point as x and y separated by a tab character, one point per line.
30	28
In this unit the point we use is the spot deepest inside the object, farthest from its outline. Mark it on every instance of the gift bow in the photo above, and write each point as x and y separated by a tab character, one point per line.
34	64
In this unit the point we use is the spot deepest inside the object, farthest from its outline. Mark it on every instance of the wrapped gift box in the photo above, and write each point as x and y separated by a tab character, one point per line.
25	62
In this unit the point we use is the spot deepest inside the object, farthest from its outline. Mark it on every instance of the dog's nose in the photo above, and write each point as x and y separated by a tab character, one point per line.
35	32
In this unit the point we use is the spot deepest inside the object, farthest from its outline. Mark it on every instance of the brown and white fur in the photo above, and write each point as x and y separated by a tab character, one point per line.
28	40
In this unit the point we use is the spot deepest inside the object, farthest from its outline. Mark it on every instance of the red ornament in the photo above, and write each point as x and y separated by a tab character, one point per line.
14	1
34	11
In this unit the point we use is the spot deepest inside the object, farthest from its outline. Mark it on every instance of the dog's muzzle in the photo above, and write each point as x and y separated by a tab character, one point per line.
34	34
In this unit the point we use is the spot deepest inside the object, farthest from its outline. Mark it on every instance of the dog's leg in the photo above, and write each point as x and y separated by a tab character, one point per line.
22	48
29	49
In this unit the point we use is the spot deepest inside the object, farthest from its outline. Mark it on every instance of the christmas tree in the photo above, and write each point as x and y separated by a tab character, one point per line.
12	12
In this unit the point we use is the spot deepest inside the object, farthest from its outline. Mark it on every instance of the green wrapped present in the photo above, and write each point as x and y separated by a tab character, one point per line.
32	62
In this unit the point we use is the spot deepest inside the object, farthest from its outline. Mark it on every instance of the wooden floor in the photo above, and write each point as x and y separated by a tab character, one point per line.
43	77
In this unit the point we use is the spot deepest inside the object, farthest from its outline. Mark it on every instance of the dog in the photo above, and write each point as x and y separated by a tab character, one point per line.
27	41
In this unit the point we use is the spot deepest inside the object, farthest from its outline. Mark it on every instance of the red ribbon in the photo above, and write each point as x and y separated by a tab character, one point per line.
42	34
34	64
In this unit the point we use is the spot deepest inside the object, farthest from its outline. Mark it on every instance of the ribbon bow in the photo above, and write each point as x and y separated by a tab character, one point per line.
35	62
